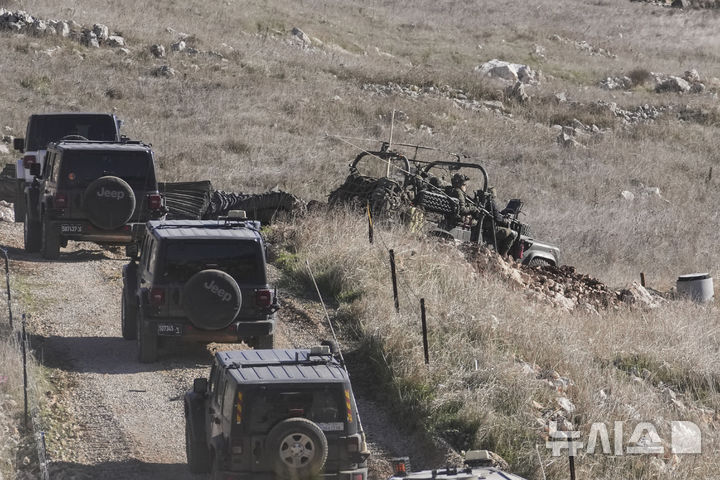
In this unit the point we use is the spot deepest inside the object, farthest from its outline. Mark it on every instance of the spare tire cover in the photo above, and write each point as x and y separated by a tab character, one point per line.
109	202
211	299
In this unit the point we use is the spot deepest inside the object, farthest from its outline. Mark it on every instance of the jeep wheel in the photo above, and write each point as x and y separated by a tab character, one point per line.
263	342
109	202
197	452
147	341
539	262
32	235
298	447
128	318
50	243
211	299
19	207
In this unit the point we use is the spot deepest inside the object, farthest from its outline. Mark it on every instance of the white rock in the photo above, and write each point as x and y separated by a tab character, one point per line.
157	50
565	404
301	36
101	31
178	46
673	84
511	72
627	195
4	149
116	41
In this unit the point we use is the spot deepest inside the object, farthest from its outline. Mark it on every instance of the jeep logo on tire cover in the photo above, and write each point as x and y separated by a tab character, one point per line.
114	194
224	295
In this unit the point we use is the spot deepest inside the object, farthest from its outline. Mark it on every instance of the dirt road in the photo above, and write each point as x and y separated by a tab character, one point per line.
125	419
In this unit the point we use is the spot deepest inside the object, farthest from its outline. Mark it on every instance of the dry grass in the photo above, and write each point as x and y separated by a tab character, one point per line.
474	318
258	118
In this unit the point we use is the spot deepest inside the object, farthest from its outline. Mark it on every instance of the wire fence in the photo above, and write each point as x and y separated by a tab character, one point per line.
20	341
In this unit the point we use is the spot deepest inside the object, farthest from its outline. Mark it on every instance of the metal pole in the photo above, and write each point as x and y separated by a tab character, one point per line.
392	125
571	451
370	224
7	282
25	379
424	331
394	280
642	279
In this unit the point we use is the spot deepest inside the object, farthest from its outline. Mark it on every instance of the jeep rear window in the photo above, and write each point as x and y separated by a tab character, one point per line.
79	168
322	405
241	259
44	130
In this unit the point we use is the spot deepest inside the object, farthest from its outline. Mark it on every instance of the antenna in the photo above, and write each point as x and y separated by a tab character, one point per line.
392	125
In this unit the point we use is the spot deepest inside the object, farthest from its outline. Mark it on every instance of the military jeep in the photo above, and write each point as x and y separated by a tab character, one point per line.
101	192
198	280
275	414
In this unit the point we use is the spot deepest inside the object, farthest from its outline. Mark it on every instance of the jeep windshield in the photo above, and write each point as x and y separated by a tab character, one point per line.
80	167
241	259
324	405
51	128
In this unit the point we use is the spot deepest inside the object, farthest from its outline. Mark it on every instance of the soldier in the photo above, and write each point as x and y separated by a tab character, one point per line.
504	236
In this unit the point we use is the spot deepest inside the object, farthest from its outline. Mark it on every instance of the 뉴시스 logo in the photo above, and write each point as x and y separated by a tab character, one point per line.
223	294
685	439
115	194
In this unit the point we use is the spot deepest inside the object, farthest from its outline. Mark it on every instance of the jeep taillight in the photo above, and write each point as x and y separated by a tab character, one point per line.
157	296
348	406
60	200
353	443
28	160
155	201
263	298
238	410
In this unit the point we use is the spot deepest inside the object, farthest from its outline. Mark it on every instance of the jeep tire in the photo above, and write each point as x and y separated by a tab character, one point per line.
50	243
197	452
128	317
147	342
297	449
109	202
211	299
19	206
32	235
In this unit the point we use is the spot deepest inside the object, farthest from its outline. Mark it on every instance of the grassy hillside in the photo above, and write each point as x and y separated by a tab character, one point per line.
252	108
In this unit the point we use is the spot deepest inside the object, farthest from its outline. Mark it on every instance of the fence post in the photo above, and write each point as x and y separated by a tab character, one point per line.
424	331
25	379
370	224
7	283
642	279
393	274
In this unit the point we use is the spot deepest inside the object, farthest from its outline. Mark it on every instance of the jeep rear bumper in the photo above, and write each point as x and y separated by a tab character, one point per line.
234	333
82	230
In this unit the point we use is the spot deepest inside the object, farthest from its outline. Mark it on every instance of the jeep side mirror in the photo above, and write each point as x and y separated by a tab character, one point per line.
35	169
200	385
132	250
19	144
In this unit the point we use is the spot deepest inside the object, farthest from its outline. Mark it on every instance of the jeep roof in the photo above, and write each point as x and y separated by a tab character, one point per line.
46	127
204	229
282	367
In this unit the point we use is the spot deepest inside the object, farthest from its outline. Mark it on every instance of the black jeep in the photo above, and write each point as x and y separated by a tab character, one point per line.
91	191
267	414
199	280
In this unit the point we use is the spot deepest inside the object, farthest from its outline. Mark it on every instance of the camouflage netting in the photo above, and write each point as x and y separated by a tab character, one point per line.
198	200
383	195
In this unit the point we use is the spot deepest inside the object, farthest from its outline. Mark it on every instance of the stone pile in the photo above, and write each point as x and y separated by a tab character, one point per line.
96	36
688	83
617	83
562	286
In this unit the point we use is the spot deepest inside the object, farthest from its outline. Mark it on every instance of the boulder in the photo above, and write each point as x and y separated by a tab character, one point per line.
673	84
116	41
39	27
499	69
517	93
4	149
90	39
164	71
101	31
302	36
680	4
691	76
157	50
178	46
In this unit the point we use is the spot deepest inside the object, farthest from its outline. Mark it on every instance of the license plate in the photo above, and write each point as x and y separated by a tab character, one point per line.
169	329
71	228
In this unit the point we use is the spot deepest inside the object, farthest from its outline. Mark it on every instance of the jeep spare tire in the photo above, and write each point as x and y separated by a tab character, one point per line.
211	299
298	449
109	202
